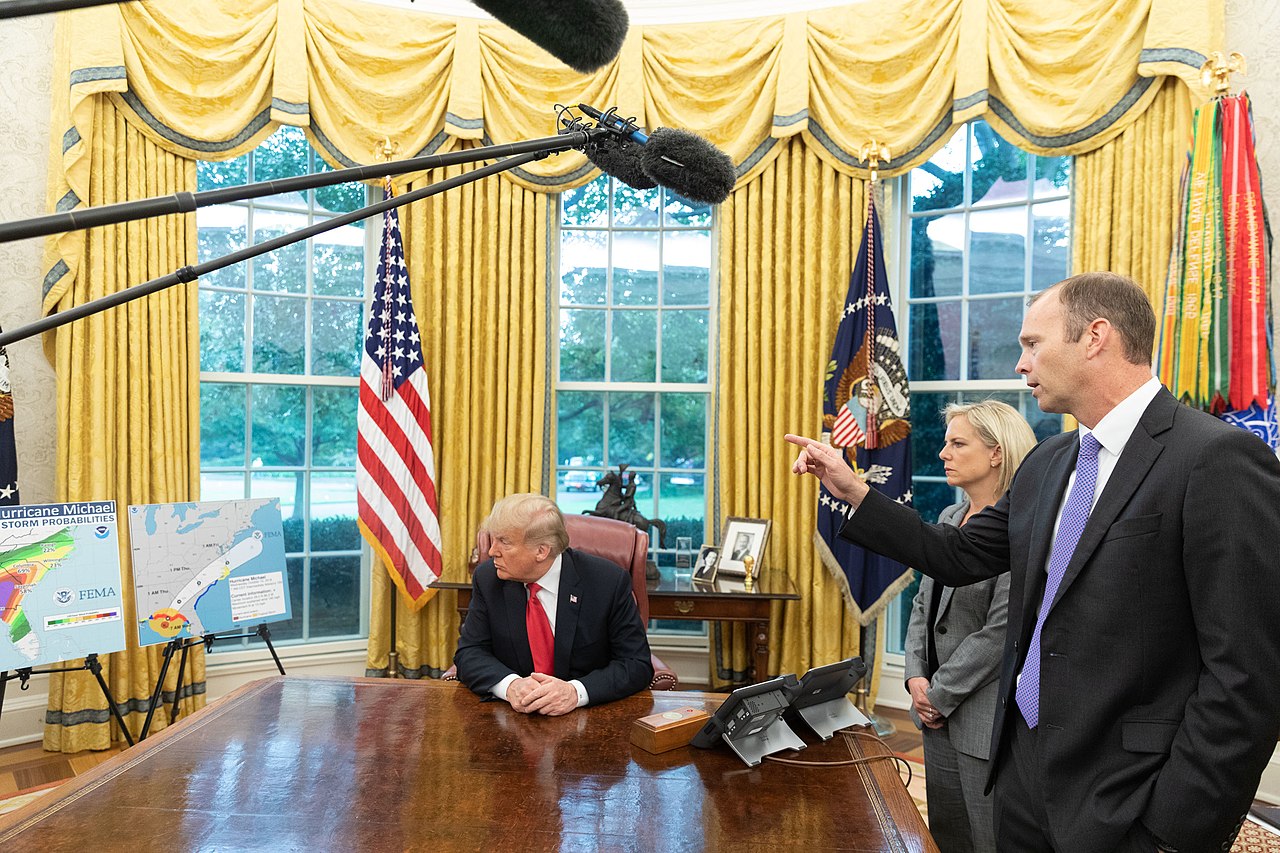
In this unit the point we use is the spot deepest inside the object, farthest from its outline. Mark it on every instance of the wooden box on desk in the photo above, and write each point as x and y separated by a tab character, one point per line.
669	730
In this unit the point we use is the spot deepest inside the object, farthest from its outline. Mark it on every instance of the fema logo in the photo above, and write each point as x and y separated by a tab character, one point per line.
102	531
63	596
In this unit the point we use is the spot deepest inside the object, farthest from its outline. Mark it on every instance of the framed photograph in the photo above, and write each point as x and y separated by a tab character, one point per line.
704	571
743	537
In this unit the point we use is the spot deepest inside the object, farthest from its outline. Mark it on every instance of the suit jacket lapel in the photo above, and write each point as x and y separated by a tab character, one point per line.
1055	485
943	602
567	601
516	596
1140	453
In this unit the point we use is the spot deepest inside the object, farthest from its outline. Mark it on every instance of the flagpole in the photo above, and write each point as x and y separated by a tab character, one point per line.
393	656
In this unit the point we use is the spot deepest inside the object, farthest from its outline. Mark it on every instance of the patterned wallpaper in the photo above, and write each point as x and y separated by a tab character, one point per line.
26	51
26	47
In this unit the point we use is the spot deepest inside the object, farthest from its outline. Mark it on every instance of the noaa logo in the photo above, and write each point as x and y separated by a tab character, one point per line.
102	531
63	596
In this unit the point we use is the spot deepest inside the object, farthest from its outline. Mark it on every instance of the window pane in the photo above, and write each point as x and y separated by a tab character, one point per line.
333	511
221	230
228	173
584	256
279	339
939	183
580	427
222	423
937	256
631	430
576	491
635	268
582	345
289	487
684	346
279	426
291	630
295	528
686	268
633	207
222	328
681	211
285	269
1053	176
341	198
634	347
684	431
997	250
931	497
1050	243
999	168
683	500
336	337
935	341
586	205
284	154
928	429
994	325
338	260
333	427
335	597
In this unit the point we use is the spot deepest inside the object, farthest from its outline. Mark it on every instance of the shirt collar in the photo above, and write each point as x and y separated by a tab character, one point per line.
551	580
1114	429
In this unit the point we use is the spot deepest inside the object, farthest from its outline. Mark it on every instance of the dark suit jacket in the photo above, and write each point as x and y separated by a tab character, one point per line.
1161	652
599	638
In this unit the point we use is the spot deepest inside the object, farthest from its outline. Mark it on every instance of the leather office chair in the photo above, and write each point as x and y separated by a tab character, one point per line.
615	541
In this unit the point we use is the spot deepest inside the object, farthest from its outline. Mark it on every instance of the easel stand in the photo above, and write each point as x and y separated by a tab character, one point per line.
185	646
91	663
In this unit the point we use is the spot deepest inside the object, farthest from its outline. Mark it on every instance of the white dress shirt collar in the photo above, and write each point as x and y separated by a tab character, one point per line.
1117	425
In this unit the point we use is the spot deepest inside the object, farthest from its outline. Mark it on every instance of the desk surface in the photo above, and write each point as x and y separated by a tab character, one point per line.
326	764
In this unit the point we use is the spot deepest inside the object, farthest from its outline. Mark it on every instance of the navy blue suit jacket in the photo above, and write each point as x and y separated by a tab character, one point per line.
599	638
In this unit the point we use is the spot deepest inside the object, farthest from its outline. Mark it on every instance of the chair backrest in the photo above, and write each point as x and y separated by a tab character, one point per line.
613	540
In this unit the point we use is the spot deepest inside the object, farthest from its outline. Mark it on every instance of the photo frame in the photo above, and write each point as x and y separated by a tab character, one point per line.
743	537
708	564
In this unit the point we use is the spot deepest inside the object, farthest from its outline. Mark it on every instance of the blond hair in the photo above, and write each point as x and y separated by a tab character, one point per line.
537	516
998	425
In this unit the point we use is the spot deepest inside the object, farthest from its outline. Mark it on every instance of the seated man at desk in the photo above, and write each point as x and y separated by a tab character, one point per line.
550	629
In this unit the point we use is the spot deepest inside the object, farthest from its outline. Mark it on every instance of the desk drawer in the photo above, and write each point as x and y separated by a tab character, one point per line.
715	609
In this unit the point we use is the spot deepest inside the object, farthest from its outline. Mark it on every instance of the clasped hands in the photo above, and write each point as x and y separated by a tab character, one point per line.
542	694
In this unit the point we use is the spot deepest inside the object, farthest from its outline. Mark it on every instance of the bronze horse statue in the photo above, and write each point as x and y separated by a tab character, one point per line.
618	501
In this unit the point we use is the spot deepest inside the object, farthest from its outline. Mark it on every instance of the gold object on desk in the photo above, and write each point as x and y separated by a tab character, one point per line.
750	578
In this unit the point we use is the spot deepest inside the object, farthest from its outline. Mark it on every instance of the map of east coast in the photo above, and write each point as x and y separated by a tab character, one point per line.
60	590
207	568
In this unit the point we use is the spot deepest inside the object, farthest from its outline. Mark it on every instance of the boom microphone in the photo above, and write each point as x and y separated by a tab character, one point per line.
557	26
679	160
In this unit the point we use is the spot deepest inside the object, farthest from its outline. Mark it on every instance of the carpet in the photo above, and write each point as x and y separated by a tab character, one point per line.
20	799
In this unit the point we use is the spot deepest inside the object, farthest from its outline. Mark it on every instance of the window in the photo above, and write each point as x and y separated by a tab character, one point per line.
987	225
633	380
280	345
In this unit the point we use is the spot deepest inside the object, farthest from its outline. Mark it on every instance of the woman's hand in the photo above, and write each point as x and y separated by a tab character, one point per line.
929	715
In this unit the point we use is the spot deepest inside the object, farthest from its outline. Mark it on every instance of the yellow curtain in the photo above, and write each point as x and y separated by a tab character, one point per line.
478	259
1126	198
780	301
128	407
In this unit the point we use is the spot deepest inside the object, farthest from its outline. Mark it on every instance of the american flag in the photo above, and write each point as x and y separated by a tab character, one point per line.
847	432
396	466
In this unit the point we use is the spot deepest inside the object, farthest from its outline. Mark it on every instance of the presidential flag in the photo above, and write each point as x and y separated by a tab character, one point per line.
8	446
395	464
866	410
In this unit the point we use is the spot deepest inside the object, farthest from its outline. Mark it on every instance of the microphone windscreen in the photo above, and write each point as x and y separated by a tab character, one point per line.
689	165
619	156
583	34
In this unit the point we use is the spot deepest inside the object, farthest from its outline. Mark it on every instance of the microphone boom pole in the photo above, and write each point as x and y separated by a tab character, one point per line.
191	273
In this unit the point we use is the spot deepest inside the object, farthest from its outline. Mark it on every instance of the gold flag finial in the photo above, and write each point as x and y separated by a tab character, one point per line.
1217	71
386	150
874	152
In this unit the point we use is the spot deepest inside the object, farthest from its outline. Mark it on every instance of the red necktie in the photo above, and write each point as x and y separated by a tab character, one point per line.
541	641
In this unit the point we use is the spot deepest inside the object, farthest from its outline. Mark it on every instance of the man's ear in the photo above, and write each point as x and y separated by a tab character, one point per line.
1099	335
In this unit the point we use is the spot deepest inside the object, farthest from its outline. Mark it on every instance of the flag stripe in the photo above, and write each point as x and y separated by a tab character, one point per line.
391	438
386	541
409	530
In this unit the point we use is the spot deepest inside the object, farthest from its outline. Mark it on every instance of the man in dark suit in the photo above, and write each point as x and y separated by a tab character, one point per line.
550	629
1138	706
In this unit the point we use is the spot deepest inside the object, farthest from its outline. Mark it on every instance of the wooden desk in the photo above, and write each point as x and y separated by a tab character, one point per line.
724	601
311	764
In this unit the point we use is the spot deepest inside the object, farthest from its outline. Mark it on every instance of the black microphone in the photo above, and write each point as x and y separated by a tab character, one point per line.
676	159
619	157
558	27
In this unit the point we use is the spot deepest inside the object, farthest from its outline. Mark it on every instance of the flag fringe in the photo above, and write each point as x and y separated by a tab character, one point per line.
385	559
868	616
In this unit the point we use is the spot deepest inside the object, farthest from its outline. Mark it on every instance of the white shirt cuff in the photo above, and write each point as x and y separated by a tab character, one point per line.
582	692
500	689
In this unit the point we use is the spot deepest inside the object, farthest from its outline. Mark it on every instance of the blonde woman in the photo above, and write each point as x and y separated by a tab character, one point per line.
955	639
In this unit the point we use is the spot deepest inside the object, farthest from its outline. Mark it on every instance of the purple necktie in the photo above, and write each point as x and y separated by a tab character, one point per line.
1075	514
